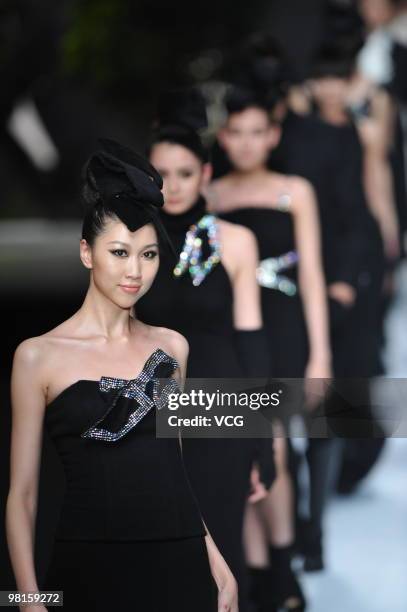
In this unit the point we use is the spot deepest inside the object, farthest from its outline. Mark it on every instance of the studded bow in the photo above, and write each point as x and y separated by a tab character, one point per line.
147	390
268	273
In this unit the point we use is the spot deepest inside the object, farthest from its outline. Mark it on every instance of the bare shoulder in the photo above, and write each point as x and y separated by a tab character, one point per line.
239	236
220	183
171	341
302	194
216	192
239	247
41	350
30	352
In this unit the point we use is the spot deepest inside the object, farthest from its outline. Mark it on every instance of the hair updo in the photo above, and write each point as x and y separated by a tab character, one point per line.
181	114
121	185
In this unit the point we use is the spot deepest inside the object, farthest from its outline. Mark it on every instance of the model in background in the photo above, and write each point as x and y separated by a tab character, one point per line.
215	303
282	213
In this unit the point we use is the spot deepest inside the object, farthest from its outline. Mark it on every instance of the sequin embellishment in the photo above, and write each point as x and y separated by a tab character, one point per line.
135	389
191	255
284	202
268	273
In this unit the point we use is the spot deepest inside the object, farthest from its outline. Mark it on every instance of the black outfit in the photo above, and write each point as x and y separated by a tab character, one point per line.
130	529
282	313
219	469
287	343
330	157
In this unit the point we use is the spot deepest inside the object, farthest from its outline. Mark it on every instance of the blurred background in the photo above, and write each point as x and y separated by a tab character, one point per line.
73	70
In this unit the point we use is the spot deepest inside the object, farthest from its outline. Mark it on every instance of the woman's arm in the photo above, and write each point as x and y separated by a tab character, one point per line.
240	258
225	581
227	587
375	133
28	405
311	278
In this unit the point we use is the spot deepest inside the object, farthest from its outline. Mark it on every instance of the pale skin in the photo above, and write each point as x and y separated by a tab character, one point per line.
100	339
247	138
185	177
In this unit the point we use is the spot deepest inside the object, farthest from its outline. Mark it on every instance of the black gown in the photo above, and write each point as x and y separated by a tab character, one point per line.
288	344
130	534
281	307
330	157
219	469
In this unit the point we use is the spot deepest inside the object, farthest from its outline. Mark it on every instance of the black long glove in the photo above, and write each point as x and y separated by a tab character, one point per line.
254	357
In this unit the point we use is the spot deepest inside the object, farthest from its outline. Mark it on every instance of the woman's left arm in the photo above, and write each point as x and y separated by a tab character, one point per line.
311	278
241	258
225	582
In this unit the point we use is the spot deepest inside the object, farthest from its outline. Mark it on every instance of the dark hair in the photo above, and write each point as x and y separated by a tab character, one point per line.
181	114
333	60
181	135
96	216
260	79
119	184
239	99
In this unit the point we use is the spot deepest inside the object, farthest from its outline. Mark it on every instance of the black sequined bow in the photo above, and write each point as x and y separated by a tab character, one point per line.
150	388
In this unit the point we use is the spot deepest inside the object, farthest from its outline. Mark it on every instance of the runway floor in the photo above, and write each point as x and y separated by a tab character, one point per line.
366	543
366	533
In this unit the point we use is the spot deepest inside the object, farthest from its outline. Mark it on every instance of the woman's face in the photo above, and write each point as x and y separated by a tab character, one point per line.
376	13
184	175
329	92
123	263
247	138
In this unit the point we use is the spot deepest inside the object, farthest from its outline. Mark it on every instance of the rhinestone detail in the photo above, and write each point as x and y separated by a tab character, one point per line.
135	389
268	273
284	202
191	255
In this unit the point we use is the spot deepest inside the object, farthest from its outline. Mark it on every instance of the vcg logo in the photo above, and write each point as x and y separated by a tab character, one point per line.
229	420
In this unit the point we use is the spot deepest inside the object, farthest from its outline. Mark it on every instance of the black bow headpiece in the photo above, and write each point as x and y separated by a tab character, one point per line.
126	183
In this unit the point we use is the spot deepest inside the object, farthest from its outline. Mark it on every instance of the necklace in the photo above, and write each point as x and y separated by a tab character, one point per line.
191	255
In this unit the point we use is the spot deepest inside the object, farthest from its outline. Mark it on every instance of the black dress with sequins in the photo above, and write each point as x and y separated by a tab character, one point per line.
130	530
281	304
219	469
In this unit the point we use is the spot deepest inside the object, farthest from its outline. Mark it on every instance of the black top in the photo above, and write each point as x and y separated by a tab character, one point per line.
281	304
330	157
122	483
203	313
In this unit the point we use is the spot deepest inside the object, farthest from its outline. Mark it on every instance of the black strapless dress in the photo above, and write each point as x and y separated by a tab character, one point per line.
130	532
281	304
218	469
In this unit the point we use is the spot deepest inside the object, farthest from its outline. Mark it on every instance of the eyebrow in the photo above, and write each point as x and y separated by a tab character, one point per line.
127	245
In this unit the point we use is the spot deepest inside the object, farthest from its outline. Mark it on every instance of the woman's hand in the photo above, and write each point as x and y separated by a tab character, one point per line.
258	490
343	293
227	596
223	577
315	385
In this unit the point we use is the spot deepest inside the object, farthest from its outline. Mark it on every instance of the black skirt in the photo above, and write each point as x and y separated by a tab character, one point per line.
150	576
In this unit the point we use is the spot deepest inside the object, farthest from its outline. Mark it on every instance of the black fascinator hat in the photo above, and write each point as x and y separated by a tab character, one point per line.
119	182
181	114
